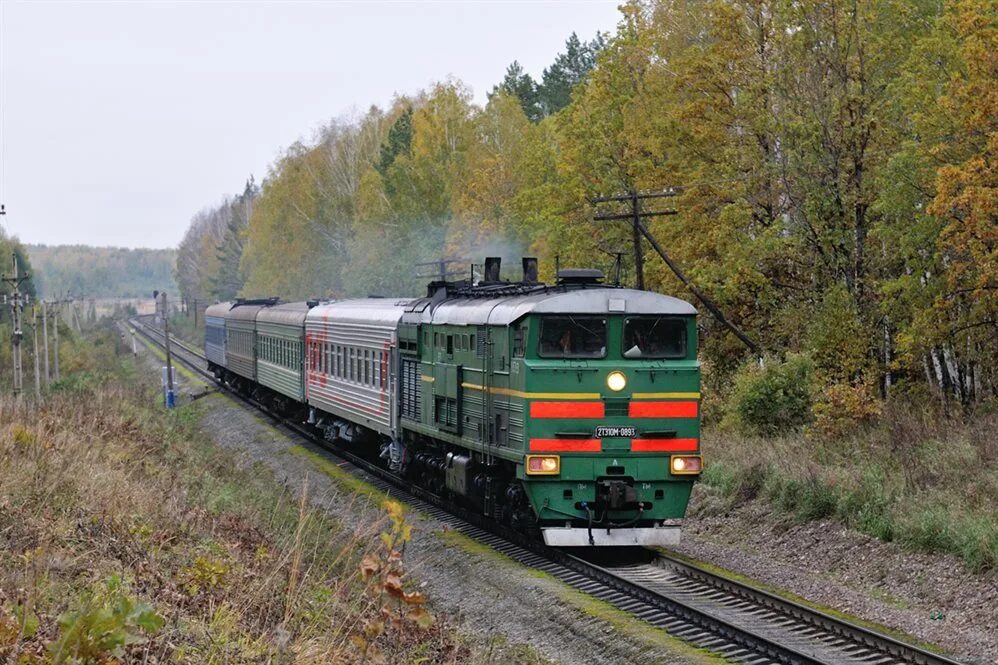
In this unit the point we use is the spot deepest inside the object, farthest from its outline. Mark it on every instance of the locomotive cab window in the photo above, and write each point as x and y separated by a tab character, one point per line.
654	337
573	337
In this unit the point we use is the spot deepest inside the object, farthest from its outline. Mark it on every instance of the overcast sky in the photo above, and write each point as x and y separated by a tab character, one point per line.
120	120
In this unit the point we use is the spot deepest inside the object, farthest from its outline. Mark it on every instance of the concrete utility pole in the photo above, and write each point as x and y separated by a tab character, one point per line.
634	217
34	331
56	356
45	343
169	363
640	230
18	334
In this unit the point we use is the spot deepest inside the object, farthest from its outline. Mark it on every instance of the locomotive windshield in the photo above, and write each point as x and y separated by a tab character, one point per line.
573	337
654	337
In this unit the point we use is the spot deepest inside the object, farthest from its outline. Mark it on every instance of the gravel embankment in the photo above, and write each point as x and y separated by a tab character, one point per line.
932	597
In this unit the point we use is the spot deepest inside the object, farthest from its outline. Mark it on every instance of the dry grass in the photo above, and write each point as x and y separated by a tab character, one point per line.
926	483
128	537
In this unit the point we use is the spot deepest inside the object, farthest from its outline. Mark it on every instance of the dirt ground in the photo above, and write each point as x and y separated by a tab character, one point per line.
497	601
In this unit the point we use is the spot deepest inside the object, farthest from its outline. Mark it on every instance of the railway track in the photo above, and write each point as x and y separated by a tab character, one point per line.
739	622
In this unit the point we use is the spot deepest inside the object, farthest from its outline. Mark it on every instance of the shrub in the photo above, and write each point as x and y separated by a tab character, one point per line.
774	398
844	408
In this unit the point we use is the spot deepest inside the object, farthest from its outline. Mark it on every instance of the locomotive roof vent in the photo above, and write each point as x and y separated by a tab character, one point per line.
529	270
492	266
580	276
273	300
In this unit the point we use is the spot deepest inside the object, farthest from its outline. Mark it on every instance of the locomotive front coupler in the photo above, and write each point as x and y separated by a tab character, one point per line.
616	493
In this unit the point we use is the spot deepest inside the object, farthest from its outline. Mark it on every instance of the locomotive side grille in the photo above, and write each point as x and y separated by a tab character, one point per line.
412	388
480	342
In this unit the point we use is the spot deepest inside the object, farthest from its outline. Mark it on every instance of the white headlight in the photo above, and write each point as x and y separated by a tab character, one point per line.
616	381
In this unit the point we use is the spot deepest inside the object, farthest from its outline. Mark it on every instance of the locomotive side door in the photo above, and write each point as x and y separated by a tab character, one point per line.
447	378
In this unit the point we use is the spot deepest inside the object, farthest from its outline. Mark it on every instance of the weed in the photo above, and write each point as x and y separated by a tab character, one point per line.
109	620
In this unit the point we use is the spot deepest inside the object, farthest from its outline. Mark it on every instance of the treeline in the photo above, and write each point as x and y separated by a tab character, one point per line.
101	272
834	163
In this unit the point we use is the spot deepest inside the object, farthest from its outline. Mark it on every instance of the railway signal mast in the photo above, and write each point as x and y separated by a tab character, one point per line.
16	306
170	398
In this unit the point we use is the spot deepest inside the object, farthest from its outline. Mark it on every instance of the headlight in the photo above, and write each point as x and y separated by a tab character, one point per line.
616	381
543	465
682	465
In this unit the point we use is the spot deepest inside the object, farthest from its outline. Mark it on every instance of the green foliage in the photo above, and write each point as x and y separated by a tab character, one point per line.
108	620
521	85
398	142
774	398
554	91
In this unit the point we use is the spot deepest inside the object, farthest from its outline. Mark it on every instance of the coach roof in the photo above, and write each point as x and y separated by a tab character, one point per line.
218	310
289	314
370	311
243	312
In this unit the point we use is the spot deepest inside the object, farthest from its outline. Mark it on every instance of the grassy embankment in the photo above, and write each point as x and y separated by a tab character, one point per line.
127	536
912	477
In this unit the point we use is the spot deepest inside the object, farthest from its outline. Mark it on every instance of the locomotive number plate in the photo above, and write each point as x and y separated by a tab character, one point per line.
607	431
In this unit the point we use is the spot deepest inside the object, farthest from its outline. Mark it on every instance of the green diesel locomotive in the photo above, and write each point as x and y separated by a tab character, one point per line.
572	409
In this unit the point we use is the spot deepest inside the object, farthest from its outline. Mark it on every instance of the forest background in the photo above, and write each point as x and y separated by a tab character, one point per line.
834	162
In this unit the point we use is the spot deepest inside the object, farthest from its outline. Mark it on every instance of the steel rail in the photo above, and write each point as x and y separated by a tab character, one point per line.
763	628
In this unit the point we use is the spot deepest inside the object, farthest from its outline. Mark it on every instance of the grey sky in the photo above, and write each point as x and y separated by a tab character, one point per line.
121	120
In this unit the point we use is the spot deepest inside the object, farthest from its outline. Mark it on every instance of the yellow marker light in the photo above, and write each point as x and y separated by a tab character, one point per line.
686	464
543	465
616	381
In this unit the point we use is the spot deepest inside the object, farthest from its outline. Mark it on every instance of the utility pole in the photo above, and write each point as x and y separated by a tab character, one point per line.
17	334
34	331
640	230
634	215
169	363
58	304
45	343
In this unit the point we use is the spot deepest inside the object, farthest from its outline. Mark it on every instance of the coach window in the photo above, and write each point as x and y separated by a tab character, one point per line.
450	345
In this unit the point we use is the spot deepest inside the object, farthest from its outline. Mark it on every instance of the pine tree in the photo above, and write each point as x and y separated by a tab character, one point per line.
521	85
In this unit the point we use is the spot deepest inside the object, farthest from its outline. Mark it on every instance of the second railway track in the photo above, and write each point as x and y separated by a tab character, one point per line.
738	622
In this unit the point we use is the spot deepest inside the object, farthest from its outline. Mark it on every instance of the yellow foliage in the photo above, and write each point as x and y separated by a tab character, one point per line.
843	408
